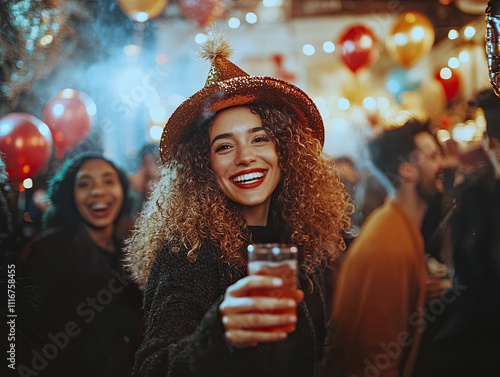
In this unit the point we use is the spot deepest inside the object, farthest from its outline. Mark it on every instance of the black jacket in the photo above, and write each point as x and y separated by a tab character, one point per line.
184	332
83	305
468	340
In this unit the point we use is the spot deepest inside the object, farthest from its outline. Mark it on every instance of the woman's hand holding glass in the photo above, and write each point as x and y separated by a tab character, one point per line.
249	319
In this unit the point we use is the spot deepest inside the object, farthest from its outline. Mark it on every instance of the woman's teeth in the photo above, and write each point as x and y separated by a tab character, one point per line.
97	207
248	178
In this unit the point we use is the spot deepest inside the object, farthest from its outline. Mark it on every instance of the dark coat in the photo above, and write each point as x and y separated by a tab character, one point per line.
84	306
467	343
184	332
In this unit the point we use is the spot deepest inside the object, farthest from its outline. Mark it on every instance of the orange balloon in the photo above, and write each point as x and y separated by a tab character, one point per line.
143	10
410	39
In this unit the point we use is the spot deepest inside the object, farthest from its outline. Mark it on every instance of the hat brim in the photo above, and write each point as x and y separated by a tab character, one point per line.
239	91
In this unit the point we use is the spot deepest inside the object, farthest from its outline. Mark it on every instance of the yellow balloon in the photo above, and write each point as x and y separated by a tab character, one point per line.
143	10
410	39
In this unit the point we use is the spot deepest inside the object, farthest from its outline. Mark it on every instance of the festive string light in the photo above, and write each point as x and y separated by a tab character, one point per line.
200	38
443	135
251	17
453	63
28	183
234	23
463	57
328	47
308	49
343	104
155	132
369	103
452	34
469	31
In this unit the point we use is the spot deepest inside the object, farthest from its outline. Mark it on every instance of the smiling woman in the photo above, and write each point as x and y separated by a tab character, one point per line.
245	161
243	164
99	198
86	303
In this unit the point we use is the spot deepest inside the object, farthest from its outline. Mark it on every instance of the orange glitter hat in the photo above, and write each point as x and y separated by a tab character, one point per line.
227	85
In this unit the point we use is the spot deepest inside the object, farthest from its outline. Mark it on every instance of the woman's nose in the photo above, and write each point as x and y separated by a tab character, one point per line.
245	155
97	190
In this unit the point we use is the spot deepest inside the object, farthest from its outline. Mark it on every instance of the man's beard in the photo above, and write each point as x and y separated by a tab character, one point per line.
428	193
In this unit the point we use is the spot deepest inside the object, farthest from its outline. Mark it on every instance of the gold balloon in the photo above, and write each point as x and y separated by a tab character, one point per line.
136	9
410	39
493	43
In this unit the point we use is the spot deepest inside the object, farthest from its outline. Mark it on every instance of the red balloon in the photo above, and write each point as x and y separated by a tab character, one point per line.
204	12
451	84
25	144
359	47
70	116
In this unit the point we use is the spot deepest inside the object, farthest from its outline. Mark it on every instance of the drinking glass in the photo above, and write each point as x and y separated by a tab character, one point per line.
276	260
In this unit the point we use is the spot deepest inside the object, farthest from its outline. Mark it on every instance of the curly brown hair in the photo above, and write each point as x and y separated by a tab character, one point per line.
187	207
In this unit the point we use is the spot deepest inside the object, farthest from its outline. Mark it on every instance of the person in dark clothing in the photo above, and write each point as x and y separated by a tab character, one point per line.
243	164
88	319
467	343
144	179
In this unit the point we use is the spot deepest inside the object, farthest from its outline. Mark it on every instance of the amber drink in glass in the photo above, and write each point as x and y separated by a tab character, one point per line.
276	260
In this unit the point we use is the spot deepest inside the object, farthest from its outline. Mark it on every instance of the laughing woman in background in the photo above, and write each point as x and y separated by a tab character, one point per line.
88	310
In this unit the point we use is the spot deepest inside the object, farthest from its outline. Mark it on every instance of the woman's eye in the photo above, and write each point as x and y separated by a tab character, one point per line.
222	147
82	184
261	139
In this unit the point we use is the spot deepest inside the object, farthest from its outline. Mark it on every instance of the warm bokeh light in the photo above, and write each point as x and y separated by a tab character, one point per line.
366	42
251	17
369	103
445	73
464	132
343	104
308	49
469	31
417	33
234	23
453	63
131	50
58	109
67	93
443	135
328	47
452	34
410	18
155	132
463	57
141	16
46	39
272	3
28	183
200	38
400	39
161	59
91	108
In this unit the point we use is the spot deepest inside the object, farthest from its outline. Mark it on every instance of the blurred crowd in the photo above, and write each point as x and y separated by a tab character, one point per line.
416	293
